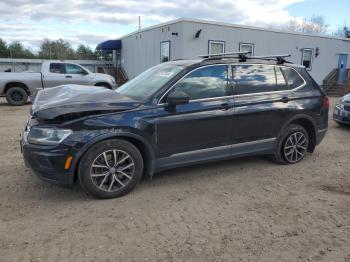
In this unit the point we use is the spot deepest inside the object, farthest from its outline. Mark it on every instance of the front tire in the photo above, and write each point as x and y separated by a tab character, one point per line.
110	169
292	145
16	96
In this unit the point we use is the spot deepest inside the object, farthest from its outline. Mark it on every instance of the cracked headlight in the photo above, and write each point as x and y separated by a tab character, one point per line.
47	136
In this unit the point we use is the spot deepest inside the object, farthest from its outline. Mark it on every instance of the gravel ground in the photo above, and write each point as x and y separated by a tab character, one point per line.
246	209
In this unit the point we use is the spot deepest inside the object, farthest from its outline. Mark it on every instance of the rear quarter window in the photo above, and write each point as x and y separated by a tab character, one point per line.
293	79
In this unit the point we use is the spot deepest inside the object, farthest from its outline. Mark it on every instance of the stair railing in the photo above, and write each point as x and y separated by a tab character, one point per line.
331	79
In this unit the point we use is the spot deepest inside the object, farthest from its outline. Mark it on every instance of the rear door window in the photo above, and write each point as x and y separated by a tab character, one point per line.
249	79
281	83
57	68
293	79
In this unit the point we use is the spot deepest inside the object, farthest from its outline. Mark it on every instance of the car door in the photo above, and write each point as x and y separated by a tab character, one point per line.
55	75
76	74
65	73
262	103
200	129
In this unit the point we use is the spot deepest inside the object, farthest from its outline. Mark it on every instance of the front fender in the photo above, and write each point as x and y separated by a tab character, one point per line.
149	158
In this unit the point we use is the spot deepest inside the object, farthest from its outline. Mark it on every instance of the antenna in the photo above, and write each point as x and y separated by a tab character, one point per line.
139	22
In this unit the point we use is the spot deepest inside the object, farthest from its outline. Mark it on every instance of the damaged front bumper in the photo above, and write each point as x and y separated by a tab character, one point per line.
48	163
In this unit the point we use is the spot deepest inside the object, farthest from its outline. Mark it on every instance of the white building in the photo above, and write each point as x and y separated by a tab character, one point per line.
187	38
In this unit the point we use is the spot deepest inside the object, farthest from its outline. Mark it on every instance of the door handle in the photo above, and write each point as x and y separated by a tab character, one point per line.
225	106
285	99
68	76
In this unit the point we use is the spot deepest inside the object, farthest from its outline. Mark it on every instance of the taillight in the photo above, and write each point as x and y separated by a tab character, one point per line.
326	102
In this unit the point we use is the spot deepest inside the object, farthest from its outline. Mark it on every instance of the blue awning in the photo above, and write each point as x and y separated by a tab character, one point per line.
110	45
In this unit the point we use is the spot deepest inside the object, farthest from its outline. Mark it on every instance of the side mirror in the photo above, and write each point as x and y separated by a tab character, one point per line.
84	73
177	98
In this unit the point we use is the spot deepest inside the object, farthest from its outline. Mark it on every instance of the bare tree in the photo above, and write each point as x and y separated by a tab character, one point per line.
342	31
314	25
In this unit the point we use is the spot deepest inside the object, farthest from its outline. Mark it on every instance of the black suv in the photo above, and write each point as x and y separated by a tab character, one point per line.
174	114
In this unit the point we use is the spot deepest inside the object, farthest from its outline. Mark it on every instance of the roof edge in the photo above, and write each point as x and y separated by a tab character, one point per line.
210	22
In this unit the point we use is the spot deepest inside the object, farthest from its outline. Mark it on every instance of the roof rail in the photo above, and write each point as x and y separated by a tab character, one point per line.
279	58
243	56
223	55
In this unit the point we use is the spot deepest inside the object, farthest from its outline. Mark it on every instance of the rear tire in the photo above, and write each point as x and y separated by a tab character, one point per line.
292	145
110	169
16	96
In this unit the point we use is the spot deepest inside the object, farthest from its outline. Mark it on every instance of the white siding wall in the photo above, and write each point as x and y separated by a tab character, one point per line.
266	43
142	53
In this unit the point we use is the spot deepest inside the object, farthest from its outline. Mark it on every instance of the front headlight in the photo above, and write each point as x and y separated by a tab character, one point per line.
340	104
47	136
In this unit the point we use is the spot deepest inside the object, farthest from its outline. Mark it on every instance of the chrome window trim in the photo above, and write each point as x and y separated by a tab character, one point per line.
230	76
273	92
202	99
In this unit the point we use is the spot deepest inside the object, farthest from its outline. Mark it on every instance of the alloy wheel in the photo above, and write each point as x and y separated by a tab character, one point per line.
295	147
17	96
112	170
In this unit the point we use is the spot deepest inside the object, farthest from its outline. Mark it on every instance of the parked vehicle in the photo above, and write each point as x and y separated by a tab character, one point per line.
175	114
16	87
341	113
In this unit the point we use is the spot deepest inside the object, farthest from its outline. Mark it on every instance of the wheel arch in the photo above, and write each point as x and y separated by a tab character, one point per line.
309	124
141	144
16	84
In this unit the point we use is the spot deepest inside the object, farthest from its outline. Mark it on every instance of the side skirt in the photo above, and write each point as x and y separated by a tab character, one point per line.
258	147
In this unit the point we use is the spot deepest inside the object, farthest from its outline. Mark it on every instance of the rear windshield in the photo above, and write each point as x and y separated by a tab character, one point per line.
150	81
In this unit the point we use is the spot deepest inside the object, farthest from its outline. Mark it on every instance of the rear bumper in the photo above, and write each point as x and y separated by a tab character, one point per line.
48	163
320	135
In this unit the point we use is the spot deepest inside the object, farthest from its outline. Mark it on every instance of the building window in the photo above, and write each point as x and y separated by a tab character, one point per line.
245	47
307	58
165	51
216	47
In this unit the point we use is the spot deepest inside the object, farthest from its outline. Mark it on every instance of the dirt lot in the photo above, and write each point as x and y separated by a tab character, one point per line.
240	210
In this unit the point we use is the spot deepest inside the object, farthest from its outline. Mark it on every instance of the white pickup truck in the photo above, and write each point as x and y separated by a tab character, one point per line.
16	87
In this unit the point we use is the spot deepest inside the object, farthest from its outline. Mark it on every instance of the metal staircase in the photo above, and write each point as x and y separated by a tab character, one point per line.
118	73
332	88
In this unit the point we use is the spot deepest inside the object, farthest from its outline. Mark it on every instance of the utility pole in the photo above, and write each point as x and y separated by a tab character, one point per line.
13	66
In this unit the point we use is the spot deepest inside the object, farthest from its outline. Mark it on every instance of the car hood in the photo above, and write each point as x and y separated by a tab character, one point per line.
347	97
72	101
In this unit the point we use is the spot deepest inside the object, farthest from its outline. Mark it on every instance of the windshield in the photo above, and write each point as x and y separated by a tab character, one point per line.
147	83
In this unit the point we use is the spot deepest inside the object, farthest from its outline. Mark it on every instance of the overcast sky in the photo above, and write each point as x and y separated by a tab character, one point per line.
92	21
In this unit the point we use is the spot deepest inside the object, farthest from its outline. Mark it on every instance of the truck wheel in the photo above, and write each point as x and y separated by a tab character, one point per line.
16	96
111	168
